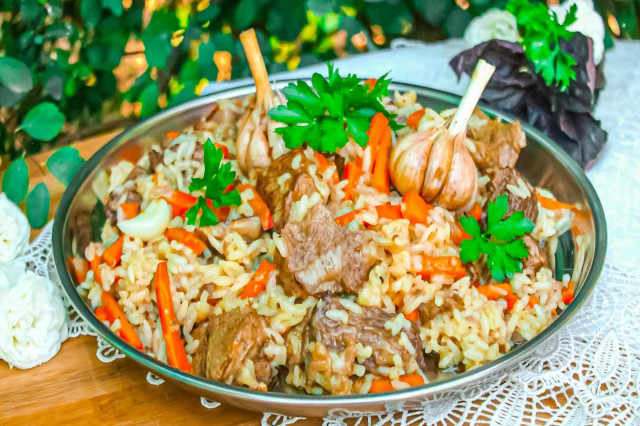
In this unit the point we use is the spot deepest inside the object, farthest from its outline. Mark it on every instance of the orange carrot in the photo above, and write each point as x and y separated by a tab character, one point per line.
129	210
551	204
112	254
414	379
352	173
412	316
458	234
347	217
533	301
413	120
476	211
225	150
450	266
511	299
95	267
170	326
495	291
189	239
80	267
415	208
380	176
258	282
379	124
101	314
259	207
181	202
323	165
389	211
114	313
371	82
172	134
380	385
568	293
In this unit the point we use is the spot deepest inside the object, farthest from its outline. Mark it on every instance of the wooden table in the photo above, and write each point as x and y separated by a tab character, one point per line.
75	387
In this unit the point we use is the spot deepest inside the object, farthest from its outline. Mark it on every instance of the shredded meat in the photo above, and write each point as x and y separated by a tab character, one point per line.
497	144
227	342
117	198
323	256
280	194
368	329
430	310
198	152
82	230
155	159
136	173
537	258
498	186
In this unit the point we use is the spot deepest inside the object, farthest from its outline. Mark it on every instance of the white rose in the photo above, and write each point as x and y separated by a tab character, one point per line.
493	24
32	317
589	23
14	231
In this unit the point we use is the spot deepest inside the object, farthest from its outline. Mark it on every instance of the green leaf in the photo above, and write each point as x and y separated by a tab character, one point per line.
9	98
97	219
91	12
471	226
15	182
286	18
149	99
496	210
157	51
38	203
246	12
470	250
15	76
43	122
515	225
65	163
115	6
393	17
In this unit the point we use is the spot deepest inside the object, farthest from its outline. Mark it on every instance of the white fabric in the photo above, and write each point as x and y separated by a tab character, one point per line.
591	369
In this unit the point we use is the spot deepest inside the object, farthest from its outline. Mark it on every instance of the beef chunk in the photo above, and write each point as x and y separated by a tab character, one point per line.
227	342
198	152
323	256
136	173
497	144
367	328
155	159
498	186
82	230
430	310
537	258
280	194
117	198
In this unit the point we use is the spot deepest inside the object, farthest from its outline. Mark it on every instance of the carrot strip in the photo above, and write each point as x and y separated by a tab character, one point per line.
323	165
450	266
458	234
80	268
415	208
189	239
476	211
181	202
101	314
114	313
380	385
352	173
568	293
412	316
495	291
511	299
376	131
551	204
259	207
170	326
371	82
112	254
413	120
389	211
225	150
380	176
129	210
172	134
258	282
95	267
347	217
533	301
413	379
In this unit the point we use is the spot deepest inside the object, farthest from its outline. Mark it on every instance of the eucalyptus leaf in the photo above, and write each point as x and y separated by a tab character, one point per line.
91	12
65	163
15	75
286	18
15	182
38	203
115	6
149	99
43	122
8	98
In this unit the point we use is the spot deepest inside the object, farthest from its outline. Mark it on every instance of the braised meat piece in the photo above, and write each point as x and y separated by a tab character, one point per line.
323	256
155	159
367	328
430	310
227	342
136	173
537	258
280	191
115	199
497	144
82	231
500	180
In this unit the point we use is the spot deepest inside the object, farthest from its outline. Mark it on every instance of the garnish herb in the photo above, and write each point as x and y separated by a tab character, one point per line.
500	242
217	178
541	33
326	113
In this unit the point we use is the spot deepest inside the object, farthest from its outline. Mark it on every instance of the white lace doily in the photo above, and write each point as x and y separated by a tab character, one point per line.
589	373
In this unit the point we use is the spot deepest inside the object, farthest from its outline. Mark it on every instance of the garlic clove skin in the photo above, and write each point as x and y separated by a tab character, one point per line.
149	224
438	165
461	186
258	150
409	161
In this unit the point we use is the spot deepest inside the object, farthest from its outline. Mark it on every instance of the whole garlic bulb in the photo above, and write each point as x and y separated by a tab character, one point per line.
435	162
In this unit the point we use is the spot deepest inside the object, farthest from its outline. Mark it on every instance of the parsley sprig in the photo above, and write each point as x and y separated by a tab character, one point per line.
541	33
216	179
326	113
500	242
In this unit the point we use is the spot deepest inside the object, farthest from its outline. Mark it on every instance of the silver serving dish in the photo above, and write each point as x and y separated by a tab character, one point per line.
542	162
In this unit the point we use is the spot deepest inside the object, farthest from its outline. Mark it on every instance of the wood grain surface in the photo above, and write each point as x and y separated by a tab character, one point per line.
76	388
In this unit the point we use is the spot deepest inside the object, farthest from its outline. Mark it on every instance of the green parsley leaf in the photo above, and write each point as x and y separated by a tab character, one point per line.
500	242
216	179
541	33
331	110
